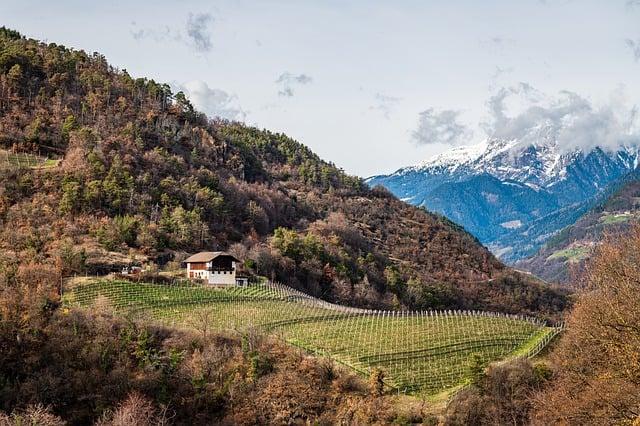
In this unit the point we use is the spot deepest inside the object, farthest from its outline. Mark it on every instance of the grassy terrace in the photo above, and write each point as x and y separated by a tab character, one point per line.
420	352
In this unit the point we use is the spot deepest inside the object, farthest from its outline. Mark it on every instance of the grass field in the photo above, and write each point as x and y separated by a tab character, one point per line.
572	254
420	352
610	219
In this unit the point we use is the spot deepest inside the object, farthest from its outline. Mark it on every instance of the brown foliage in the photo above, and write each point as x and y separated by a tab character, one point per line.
597	361
31	416
135	410
91	366
502	396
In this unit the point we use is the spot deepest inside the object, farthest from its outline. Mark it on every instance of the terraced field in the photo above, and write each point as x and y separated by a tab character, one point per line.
420	352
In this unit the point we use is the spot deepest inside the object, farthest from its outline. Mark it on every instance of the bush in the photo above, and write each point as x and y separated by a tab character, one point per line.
503	396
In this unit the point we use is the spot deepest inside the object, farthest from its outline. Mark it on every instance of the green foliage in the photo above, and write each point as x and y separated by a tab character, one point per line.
73	260
34	130
121	230
394	279
71	200
68	125
476	368
127	228
259	365
15	75
9	33
182	228
298	248
117	185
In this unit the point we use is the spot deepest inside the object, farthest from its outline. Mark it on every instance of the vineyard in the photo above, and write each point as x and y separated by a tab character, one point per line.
425	352
9	160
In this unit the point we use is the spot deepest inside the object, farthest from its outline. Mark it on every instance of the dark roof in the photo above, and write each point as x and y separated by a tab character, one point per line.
208	256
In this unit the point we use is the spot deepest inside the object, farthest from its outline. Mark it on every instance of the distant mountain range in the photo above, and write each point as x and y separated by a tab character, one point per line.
513	195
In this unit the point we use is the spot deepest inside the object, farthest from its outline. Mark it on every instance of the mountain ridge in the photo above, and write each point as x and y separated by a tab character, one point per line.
498	189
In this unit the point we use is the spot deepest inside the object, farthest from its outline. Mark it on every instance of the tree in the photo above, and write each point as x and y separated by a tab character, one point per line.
597	362
117	185
15	77
71	200
68	125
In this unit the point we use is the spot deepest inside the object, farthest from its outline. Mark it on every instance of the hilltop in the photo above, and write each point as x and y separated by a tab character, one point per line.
134	173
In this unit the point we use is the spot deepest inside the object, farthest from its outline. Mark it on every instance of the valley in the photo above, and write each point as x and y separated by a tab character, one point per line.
160	265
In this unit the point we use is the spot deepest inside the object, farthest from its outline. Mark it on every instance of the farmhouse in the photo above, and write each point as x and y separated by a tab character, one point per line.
214	267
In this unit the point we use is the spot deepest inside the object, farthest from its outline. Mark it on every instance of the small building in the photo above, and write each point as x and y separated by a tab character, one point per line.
242	280
214	267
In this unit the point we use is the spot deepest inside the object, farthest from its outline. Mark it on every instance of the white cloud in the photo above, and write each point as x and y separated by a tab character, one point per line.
572	120
195	34
213	102
635	48
198	31
441	127
288	81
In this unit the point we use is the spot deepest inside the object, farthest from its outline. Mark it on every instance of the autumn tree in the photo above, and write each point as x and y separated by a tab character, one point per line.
597	362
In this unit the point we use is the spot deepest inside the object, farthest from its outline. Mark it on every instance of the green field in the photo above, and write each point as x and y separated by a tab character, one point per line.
611	219
420	352
572	254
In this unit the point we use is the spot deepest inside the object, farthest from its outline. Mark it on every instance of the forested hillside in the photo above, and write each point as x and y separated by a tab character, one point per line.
566	253
142	176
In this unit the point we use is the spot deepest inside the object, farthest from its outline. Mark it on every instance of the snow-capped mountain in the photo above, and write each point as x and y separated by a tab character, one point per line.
512	194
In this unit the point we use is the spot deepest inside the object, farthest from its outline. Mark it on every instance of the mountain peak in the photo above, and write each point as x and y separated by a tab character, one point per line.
537	184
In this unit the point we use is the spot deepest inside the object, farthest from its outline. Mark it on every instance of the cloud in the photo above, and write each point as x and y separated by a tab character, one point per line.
441	127
568	118
385	104
635	48
213	102
288	81
159	34
198	31
633	3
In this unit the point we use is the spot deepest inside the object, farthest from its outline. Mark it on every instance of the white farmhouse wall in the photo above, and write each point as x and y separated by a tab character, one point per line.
222	278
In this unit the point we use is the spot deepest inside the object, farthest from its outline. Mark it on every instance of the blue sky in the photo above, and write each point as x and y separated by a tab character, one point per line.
369	85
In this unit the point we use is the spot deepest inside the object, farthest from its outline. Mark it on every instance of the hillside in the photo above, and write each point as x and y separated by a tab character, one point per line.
135	174
513	194
566	253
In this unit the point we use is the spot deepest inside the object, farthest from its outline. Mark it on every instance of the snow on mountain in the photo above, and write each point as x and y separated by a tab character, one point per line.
491	186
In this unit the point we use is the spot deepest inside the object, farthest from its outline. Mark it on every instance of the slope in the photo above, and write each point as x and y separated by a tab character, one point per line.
144	177
566	252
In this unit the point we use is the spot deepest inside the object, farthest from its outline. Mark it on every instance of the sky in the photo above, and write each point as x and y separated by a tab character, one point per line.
373	85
